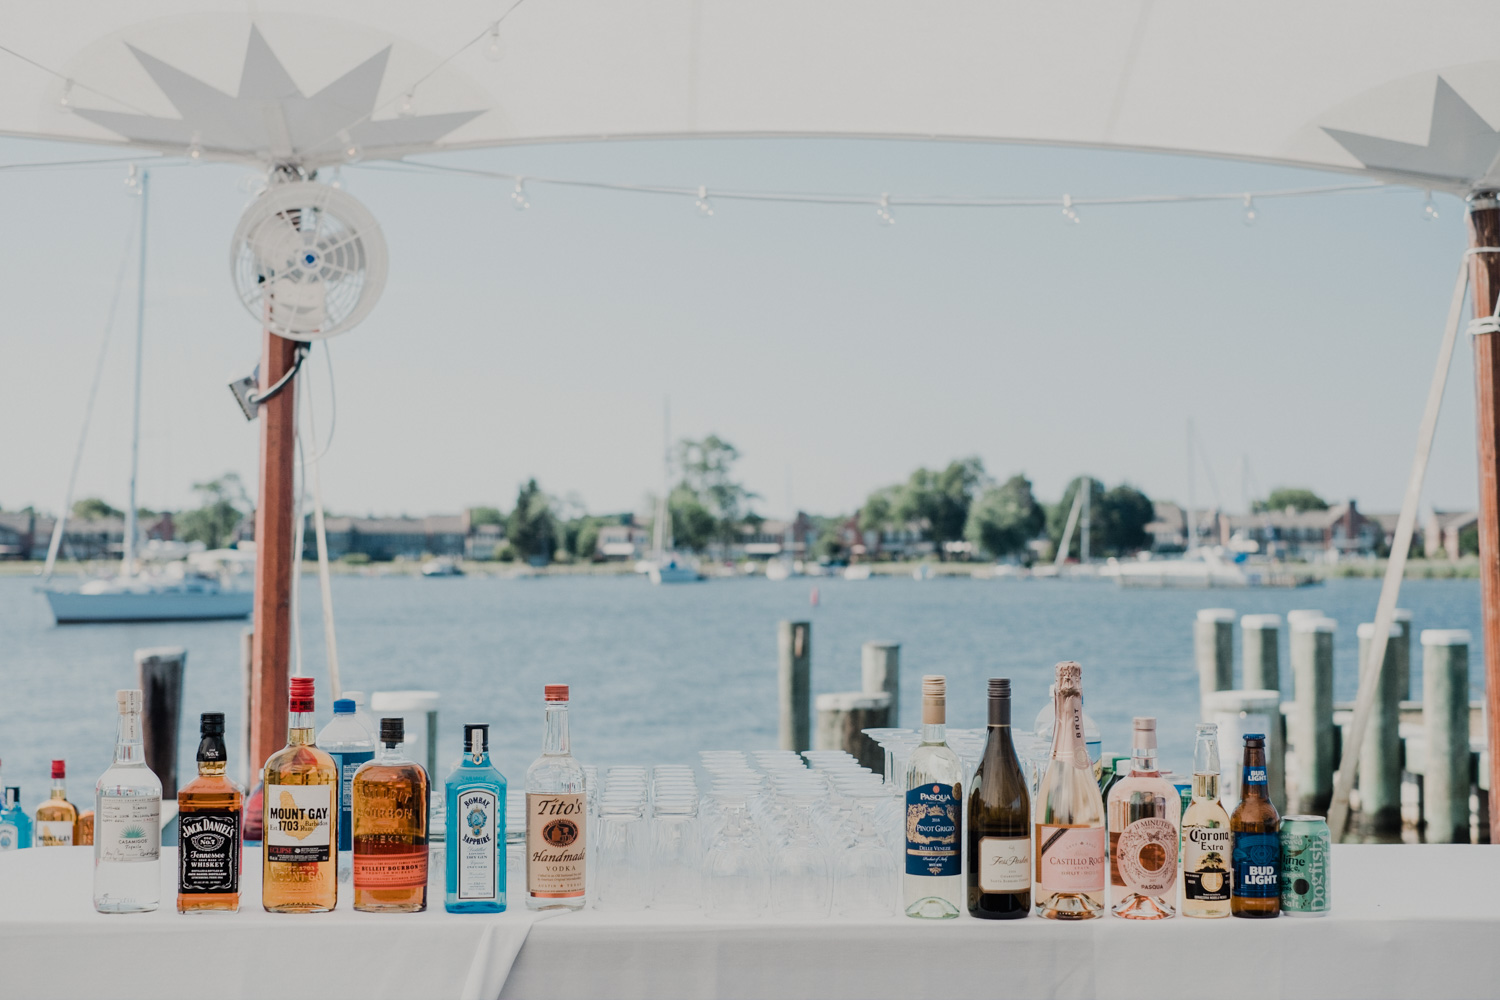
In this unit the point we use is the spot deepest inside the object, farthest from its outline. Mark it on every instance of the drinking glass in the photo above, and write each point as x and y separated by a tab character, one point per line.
865	883
801	875
736	870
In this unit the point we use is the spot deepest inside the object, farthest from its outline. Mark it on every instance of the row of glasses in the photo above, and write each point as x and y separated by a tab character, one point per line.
676	854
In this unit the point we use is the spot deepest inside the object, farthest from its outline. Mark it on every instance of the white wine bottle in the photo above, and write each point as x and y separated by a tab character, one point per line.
933	885
1072	847
999	830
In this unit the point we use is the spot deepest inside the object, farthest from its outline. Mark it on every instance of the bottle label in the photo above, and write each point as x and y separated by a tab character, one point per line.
298	819
208	860
396	870
931	831
1072	858
1145	857
53	833
348	763
555	844
10	837
476	839
1206	853
128	828
1005	864
1255	775
1257	865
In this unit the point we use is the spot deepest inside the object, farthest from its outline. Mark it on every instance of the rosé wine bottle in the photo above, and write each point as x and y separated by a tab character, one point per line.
1144	823
1072	859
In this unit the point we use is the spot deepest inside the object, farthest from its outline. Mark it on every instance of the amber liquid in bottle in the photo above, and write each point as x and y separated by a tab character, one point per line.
57	818
299	857
210	811
1255	828
390	828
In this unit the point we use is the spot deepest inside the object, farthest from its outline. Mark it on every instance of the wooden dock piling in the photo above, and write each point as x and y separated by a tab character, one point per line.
1213	651
160	670
1239	712
1445	717
794	683
1380	752
880	670
1260	656
1310	725
1403	654
842	718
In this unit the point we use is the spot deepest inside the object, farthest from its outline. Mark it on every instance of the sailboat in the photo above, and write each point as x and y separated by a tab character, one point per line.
174	591
665	564
1078	517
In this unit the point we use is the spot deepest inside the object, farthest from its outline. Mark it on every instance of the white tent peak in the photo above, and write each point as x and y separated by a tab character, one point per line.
1461	148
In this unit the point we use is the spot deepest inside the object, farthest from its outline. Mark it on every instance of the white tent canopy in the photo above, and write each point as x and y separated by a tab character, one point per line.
1403	91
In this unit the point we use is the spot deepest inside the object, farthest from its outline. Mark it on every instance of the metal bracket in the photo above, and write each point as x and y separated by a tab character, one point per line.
244	390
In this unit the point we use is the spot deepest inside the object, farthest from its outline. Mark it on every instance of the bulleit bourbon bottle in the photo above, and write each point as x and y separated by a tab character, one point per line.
300	856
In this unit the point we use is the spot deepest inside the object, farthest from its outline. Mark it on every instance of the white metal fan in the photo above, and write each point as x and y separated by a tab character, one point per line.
308	260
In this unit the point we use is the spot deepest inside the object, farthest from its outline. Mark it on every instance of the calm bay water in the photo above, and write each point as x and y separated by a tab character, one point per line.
661	672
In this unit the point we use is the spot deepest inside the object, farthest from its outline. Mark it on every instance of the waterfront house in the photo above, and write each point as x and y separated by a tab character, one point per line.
1341	531
626	539
386	538
767	539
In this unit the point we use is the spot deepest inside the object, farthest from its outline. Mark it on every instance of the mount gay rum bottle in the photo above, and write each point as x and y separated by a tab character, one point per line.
300	855
556	816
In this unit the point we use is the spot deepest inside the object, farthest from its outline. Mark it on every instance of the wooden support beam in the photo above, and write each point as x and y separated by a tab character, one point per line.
1484	278
274	560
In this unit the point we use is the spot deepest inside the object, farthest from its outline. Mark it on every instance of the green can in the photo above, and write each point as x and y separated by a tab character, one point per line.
1305	847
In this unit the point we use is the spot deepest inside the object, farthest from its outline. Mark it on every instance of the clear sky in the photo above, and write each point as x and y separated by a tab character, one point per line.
835	352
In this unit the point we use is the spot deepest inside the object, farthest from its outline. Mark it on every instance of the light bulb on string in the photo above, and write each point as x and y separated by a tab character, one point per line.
704	208
1249	210
65	99
336	177
1429	210
133	180
1069	214
492	50
352	152
405	109
195	149
883	210
518	195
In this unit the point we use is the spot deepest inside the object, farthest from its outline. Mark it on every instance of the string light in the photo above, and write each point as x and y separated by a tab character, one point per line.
352	152
1067	210
883	210
336	177
195	149
492	51
404	109
704	208
1249	210
1429	210
519	195
133	180
65	99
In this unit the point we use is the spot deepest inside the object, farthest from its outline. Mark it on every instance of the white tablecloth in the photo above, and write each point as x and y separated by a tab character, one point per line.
1407	922
53	943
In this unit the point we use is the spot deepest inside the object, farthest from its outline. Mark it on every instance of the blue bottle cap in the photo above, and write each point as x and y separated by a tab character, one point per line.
344	706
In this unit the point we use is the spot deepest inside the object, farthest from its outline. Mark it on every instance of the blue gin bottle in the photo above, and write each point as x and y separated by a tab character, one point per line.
476	829
15	825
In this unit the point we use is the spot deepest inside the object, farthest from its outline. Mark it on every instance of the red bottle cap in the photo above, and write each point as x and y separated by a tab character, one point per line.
302	694
59	769
556	692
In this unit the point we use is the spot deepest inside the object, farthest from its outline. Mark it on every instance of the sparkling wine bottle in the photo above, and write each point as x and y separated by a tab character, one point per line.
932	886
1072	859
999	832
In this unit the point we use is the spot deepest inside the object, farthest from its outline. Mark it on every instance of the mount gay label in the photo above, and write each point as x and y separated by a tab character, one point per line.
299	822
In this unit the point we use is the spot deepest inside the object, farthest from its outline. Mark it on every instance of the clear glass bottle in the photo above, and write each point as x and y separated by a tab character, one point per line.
15	825
932	887
390	813
210	811
299	863
127	811
1071	846
999	831
56	817
1206	839
475	791
350	742
556	816
1144	823
1256	829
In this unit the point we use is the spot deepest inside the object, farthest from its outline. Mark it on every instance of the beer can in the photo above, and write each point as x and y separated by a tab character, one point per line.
1305	846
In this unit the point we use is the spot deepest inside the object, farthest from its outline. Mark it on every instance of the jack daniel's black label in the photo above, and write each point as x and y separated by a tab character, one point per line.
208	858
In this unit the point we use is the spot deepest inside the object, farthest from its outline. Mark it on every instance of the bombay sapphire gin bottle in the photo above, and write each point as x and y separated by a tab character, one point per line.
932	887
475	794
127	818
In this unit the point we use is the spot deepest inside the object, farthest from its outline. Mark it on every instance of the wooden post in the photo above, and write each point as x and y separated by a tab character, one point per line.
274	563
1445	717
1260	658
842	719
1380	752
880	670
1484	278
794	681
242	752
1242	712
1311	723
1403	654
160	671
1213	649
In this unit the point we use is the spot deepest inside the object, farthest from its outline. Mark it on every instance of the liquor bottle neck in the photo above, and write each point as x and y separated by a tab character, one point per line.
59	788
392	753
555	741
934	732
299	729
1143	761
1067	729
211	768
128	747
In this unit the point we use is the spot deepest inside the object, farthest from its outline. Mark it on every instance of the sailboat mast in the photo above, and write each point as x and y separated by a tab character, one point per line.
1192	521
135	421
1083	539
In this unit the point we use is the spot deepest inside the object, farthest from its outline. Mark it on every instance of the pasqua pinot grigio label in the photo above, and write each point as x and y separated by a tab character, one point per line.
208	860
1206	853
477	850
931	831
1257	865
298	822
1005	864
1071	858
555	844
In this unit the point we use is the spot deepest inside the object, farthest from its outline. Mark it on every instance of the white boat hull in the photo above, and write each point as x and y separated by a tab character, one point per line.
673	572
70	608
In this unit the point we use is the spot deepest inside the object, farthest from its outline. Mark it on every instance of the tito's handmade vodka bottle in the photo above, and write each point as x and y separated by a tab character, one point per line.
1144	821
556	816
127	817
932	887
1205	835
1072	858
299	867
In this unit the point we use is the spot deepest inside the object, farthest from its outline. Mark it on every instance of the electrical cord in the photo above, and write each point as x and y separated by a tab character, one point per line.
281	383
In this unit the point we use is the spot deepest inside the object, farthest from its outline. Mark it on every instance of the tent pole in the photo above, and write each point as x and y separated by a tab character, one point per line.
274	560
1484	231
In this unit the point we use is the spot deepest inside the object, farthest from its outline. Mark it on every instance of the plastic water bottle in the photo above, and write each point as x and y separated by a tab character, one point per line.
350	742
